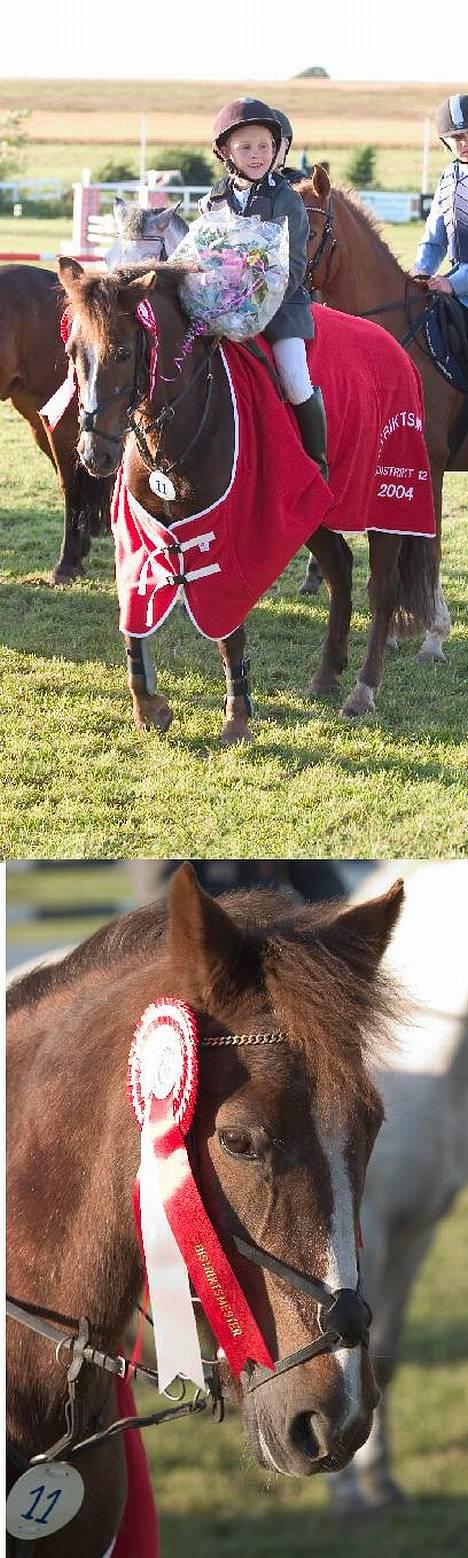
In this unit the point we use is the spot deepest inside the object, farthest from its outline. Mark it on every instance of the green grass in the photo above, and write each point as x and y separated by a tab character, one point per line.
79	781
213	1498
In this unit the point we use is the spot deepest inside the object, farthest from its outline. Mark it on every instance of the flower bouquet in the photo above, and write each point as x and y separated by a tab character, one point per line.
239	276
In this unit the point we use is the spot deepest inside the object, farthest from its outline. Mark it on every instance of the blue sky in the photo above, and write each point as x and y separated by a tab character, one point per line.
360	40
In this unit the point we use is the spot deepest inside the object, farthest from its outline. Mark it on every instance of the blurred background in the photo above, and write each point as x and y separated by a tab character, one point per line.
405	1494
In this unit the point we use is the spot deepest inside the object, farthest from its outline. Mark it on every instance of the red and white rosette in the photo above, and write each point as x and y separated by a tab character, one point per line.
147	319
178	1239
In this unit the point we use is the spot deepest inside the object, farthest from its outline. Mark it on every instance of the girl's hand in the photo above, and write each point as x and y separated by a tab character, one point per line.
439	284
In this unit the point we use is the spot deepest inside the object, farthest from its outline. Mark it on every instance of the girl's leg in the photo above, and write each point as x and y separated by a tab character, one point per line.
291	363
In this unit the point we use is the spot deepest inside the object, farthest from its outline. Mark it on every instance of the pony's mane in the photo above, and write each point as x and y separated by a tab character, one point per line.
315	994
97	296
363	215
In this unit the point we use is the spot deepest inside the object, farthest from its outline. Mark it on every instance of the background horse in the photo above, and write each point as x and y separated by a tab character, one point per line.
284	1124
33	365
354	270
420	1160
196	428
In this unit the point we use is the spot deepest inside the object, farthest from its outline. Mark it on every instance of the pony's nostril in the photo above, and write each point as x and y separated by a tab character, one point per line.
303	1436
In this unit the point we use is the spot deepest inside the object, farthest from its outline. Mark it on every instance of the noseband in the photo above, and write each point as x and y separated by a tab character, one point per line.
328	233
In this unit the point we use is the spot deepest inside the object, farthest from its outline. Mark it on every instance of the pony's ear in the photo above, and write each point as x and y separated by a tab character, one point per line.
360	935
131	293
320	181
70	271
205	943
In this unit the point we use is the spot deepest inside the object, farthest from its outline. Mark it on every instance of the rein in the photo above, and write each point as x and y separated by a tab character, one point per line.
160	423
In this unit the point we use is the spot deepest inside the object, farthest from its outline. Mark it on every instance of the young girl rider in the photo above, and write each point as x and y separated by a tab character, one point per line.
247	138
446	230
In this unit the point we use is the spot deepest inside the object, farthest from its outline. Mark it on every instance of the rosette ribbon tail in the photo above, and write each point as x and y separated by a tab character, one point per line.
175	1332
212	1276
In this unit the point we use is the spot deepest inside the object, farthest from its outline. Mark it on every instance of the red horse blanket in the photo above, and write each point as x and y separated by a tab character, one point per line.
225	557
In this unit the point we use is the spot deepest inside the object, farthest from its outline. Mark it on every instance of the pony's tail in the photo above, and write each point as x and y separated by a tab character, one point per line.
415	606
89	499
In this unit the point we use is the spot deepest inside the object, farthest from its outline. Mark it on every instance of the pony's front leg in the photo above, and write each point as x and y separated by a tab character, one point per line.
384	551
237	705
149	708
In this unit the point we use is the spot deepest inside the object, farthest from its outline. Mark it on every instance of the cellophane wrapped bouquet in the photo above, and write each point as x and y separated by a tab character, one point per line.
240	273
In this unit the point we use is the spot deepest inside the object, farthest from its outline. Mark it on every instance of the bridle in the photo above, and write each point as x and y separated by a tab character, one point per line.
137	391
343	1319
327	234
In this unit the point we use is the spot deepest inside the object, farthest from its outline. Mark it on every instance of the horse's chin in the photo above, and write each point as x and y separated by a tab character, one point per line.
99	467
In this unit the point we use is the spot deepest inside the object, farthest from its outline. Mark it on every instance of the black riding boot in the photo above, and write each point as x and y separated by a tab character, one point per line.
313	429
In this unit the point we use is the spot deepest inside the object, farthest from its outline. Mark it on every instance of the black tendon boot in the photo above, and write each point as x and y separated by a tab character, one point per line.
313	428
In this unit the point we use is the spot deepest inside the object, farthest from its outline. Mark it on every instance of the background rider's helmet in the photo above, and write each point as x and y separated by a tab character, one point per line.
452	116
286	126
244	110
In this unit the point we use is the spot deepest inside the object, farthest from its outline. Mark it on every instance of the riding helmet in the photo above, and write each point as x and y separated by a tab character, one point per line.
244	110
452	116
286	126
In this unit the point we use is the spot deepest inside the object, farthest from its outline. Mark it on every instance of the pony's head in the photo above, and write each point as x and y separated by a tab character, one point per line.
111	352
284	1128
144	236
290	1006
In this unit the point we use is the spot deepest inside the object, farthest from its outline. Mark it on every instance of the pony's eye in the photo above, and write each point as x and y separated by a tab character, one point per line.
122	353
238	1144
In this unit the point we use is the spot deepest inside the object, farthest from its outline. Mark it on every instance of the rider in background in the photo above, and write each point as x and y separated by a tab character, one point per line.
446	231
293	175
246	139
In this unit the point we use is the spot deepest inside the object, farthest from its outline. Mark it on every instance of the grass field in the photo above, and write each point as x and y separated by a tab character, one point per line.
212	1498
79	781
80	124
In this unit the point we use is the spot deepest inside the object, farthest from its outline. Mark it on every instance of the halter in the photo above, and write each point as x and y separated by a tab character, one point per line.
343	1319
328	232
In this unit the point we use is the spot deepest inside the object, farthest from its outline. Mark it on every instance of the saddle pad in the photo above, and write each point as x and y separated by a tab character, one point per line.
224	558
439	341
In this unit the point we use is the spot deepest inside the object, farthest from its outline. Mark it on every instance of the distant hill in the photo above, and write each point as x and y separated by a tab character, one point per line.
314	70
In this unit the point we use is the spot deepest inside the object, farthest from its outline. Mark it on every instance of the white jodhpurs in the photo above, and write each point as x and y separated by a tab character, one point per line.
292	367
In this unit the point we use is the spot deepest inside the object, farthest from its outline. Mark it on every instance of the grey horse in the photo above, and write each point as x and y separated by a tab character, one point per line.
143	234
420	1160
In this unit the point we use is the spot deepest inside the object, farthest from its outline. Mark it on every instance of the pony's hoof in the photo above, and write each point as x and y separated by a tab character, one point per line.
152	711
359	702
428	655
234	731
392	644
322	687
311	584
61	578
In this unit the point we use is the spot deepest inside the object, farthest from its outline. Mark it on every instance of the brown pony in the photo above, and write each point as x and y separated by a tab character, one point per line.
289	1004
32	366
107	347
353	269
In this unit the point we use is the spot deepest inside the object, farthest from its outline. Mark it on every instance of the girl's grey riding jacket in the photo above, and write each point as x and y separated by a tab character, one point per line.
272	199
